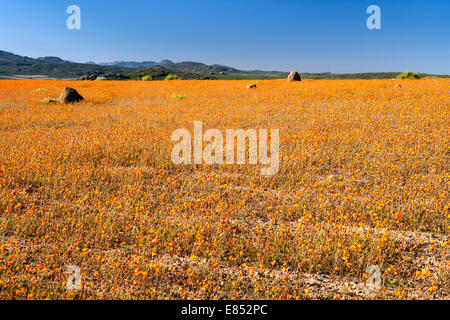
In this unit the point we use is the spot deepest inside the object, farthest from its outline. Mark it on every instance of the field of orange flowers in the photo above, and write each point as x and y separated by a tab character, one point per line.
363	180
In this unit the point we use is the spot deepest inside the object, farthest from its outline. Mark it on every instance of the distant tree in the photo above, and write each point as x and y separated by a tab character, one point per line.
147	78
408	75
172	77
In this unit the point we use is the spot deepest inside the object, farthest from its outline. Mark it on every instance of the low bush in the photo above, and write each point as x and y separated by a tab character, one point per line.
178	96
408	75
172	77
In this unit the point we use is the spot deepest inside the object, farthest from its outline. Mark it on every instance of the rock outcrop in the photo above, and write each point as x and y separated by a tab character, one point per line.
70	95
294	76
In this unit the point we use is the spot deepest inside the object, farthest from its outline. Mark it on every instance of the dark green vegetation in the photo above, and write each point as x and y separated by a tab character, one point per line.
408	75
159	74
12	65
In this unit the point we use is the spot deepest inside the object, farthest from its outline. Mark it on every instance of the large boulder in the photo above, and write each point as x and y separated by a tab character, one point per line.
294	76
89	77
69	95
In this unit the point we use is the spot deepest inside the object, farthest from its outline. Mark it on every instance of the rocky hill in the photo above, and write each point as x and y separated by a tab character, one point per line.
13	65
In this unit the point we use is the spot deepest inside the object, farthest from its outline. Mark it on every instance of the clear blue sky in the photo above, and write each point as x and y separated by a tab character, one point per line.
303	35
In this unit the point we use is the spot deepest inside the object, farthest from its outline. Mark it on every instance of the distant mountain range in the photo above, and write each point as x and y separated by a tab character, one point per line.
186	66
53	67
129	64
13	65
134	64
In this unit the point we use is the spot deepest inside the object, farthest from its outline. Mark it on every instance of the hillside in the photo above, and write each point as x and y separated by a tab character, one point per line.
65	70
159	73
128	64
12	65
11	58
201	68
186	66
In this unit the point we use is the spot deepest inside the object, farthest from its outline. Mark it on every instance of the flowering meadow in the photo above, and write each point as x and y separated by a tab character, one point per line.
363	181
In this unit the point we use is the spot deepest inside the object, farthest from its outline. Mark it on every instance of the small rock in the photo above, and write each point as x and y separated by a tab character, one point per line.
251	86
69	95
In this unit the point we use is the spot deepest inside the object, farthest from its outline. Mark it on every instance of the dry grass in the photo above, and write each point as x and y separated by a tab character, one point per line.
363	180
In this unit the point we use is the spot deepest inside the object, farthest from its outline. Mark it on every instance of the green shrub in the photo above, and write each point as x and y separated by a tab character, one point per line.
147	78
40	90
408	75
48	100
178	96
172	77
